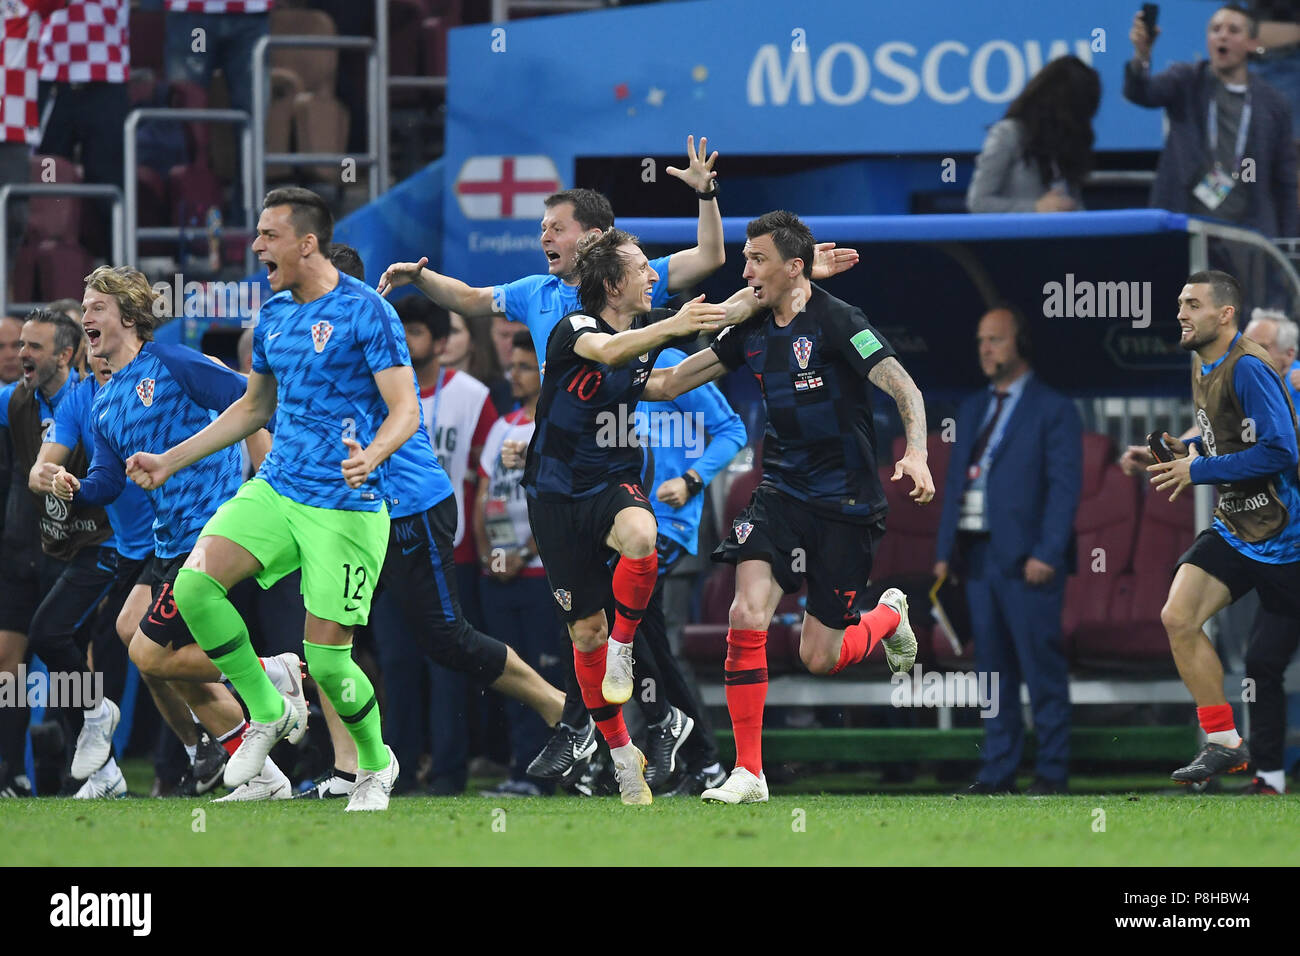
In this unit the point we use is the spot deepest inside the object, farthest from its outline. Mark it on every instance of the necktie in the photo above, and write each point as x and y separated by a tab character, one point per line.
982	440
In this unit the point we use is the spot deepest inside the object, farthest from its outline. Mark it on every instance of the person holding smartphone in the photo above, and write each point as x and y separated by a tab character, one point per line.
1229	153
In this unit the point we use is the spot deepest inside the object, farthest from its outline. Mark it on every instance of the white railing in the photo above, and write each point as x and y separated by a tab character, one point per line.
89	190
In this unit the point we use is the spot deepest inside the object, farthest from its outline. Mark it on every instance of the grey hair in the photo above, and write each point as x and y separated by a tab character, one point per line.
1288	333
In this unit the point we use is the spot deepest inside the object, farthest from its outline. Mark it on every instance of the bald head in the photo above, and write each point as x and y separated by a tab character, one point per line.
996	339
11	330
1276	335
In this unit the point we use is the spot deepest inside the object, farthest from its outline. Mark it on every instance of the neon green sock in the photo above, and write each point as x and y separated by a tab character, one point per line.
352	695
221	632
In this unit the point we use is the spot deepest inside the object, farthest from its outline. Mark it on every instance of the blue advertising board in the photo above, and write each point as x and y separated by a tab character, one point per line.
758	77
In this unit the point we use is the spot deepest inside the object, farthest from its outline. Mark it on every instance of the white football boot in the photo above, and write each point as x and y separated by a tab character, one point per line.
741	787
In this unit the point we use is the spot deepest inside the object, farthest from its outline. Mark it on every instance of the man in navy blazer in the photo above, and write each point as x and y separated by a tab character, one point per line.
1008	515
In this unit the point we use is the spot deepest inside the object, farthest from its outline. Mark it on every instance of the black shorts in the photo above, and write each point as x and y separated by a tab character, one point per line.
570	538
420	573
1278	584
26	576
130	572
163	623
800	543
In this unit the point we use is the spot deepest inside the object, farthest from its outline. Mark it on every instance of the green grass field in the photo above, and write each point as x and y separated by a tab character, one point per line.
1141	828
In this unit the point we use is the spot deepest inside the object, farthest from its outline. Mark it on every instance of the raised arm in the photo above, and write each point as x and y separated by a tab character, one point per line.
891	378
689	266
451	294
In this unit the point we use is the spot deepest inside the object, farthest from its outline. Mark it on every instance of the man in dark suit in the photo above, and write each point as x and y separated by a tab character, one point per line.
1013	487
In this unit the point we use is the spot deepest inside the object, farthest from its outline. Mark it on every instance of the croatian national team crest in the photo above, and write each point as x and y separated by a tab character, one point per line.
802	350
320	334
145	390
564	598
743	531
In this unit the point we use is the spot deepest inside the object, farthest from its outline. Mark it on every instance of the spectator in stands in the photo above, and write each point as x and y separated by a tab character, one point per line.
1036	158
11	330
517	602
85	59
1278	336
1229	153
1277	48
1014	482
19	115
229	29
472	348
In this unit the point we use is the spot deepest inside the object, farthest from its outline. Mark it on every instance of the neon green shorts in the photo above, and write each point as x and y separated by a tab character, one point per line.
340	552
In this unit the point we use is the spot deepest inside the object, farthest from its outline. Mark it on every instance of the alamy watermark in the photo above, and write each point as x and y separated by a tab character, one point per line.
212	300
657	429
922	688
1083	299
82	690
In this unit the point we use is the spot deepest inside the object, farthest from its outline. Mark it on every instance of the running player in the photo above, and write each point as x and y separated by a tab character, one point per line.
583	478
1248	447
418	573
819	512
159	394
306	508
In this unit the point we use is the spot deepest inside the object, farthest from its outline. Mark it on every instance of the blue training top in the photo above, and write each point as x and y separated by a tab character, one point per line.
163	396
324	356
131	513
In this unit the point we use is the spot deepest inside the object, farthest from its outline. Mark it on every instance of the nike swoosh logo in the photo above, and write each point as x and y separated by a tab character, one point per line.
752	354
412	549
293	682
101	415
272	335
351	607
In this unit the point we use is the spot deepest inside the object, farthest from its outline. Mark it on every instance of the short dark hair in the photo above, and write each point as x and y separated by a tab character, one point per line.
600	267
793	239
590	208
1019	327
1238	8
67	330
307	211
523	339
348	260
1225	289
419	310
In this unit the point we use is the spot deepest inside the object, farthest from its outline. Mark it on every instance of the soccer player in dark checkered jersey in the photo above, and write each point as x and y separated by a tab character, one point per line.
583	475
819	512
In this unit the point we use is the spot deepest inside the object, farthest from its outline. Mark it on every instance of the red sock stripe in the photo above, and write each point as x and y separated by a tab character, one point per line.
232	740
746	688
1216	719
634	583
590	669
861	639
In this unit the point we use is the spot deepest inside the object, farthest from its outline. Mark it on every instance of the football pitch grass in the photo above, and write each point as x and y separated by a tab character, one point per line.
1153	827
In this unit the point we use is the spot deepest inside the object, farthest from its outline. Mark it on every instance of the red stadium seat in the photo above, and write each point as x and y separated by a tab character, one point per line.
148	40
433	33
738	494
1134	637
1104	525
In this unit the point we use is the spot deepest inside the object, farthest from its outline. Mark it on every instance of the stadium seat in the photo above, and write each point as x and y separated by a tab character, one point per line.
1104	525
738	494
1133	637
318	119
152	208
405	39
194	190
50	261
198	136
433	36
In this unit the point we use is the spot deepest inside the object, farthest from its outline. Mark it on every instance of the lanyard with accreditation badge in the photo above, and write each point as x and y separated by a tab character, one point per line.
1214	187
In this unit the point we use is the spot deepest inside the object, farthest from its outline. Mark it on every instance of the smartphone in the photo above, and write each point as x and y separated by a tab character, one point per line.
1150	13
1156	442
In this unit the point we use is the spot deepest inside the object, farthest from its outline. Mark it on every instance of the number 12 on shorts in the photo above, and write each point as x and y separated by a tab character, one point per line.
349	573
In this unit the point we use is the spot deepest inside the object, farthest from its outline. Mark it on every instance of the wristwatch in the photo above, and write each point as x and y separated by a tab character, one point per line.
693	484
710	193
